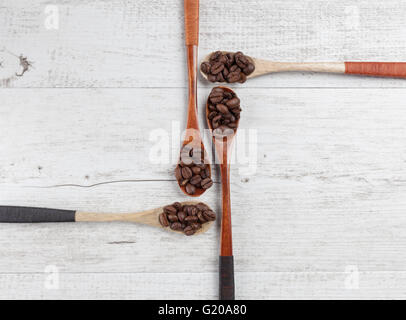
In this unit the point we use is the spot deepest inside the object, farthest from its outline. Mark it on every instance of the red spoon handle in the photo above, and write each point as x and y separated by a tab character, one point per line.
382	69
192	22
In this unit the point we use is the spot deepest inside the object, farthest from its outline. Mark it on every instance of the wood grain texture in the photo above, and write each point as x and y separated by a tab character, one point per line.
373	285
125	43
328	191
330	178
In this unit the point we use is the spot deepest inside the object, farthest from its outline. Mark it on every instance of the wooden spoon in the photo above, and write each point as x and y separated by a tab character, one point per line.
193	138
223	148
11	214
380	69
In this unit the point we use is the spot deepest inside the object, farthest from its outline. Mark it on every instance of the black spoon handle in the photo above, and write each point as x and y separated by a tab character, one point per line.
227	278
29	215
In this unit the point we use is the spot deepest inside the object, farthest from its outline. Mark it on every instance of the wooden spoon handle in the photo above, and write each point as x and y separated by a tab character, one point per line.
227	278
12	214
226	252
382	69
192	22
226	229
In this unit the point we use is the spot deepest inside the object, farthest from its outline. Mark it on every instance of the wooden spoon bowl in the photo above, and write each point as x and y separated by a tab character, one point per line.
196	145
229	137
252	60
379	69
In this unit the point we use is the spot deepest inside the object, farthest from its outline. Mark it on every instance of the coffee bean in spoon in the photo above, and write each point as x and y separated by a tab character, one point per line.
191	171
223	111
228	67
186	218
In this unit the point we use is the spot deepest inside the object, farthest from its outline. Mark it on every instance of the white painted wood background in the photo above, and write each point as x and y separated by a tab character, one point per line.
324	215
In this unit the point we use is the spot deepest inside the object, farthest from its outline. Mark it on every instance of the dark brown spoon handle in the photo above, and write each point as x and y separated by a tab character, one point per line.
226	252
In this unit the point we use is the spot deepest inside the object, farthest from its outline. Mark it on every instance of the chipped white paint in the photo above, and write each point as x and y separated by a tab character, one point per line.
323	217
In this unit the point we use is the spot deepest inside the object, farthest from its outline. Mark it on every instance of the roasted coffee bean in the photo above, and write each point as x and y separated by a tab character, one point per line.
186	218
178	173
212	108
241	60
170	209
212	115
202	206
230	56
243	77
220	77
227	67
187	172
249	69
163	220
222	58
190	189
215	55
217	90
209	215
232	103
217	118
196	170
181	216
216	68
191	219
234	76
205	67
201	217
203	174
193	211
184	182
235	68
222	108
173	217
218	97
196	179
189	231
206	183
176	226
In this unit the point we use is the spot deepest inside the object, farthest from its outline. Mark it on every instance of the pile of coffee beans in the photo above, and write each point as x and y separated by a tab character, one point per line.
227	67
191	172
223	110
186	218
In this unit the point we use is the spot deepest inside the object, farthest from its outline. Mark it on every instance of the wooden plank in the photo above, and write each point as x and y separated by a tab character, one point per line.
141	43
328	189
203	286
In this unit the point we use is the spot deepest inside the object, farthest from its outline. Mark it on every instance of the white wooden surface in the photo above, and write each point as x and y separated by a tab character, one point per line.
326	206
